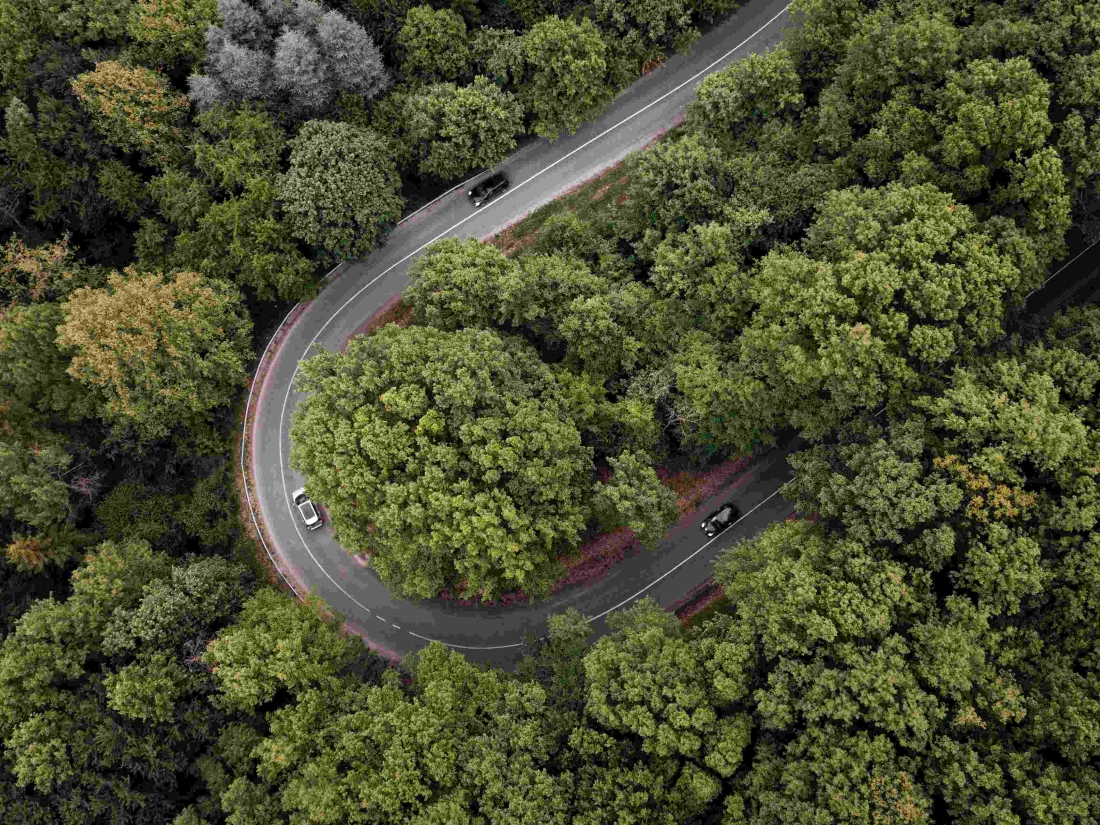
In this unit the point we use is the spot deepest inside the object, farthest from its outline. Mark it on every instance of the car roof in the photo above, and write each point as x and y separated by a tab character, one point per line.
493	179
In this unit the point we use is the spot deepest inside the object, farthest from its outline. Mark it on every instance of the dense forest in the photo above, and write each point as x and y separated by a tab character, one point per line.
172	172
837	242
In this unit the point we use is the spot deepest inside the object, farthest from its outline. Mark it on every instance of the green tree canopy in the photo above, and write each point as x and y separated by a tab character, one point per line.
466	742
448	457
167	30
450	130
115	731
31	480
226	221
456	284
927	628
648	25
737	101
634	497
277	643
566	83
34	379
434	44
680	182
340	194
871	304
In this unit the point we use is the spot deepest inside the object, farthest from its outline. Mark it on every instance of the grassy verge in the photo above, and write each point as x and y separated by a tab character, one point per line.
596	200
719	605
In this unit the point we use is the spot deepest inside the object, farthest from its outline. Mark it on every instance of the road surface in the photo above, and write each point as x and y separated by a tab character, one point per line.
539	172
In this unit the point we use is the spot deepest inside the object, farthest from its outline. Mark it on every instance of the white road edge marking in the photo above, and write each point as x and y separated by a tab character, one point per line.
372	281
685	560
1063	266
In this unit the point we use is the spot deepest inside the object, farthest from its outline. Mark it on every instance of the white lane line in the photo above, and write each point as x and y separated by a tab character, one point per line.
1063	266
395	624
466	647
246	442
562	159
683	561
372	281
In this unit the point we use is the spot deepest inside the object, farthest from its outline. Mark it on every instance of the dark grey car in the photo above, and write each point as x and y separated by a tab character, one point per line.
721	518
489	188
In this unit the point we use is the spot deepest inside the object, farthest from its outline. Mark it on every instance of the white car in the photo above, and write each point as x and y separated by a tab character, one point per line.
309	513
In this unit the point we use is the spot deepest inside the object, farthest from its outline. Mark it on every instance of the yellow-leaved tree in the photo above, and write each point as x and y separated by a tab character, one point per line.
164	351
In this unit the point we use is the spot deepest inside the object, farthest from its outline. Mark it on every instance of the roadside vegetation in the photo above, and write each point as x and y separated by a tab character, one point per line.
837	243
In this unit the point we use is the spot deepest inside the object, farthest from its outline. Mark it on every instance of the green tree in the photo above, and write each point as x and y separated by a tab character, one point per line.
986	492
34	379
233	146
277	643
448	457
463	742
653	681
434	44
456	284
108	733
35	660
452	129
163	352
31	480
998	109
892	50
556	661
164	31
680	182
882	488
195	598
498	55
566	81
30	167
225	222
706	270
243	239
737	101
710	11
148	689
538	293
634	497
888	300
819	42
604	333
647	25
341	192
27	29
798	589
713	405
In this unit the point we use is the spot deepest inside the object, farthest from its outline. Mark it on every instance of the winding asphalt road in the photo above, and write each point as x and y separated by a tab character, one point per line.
539	173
